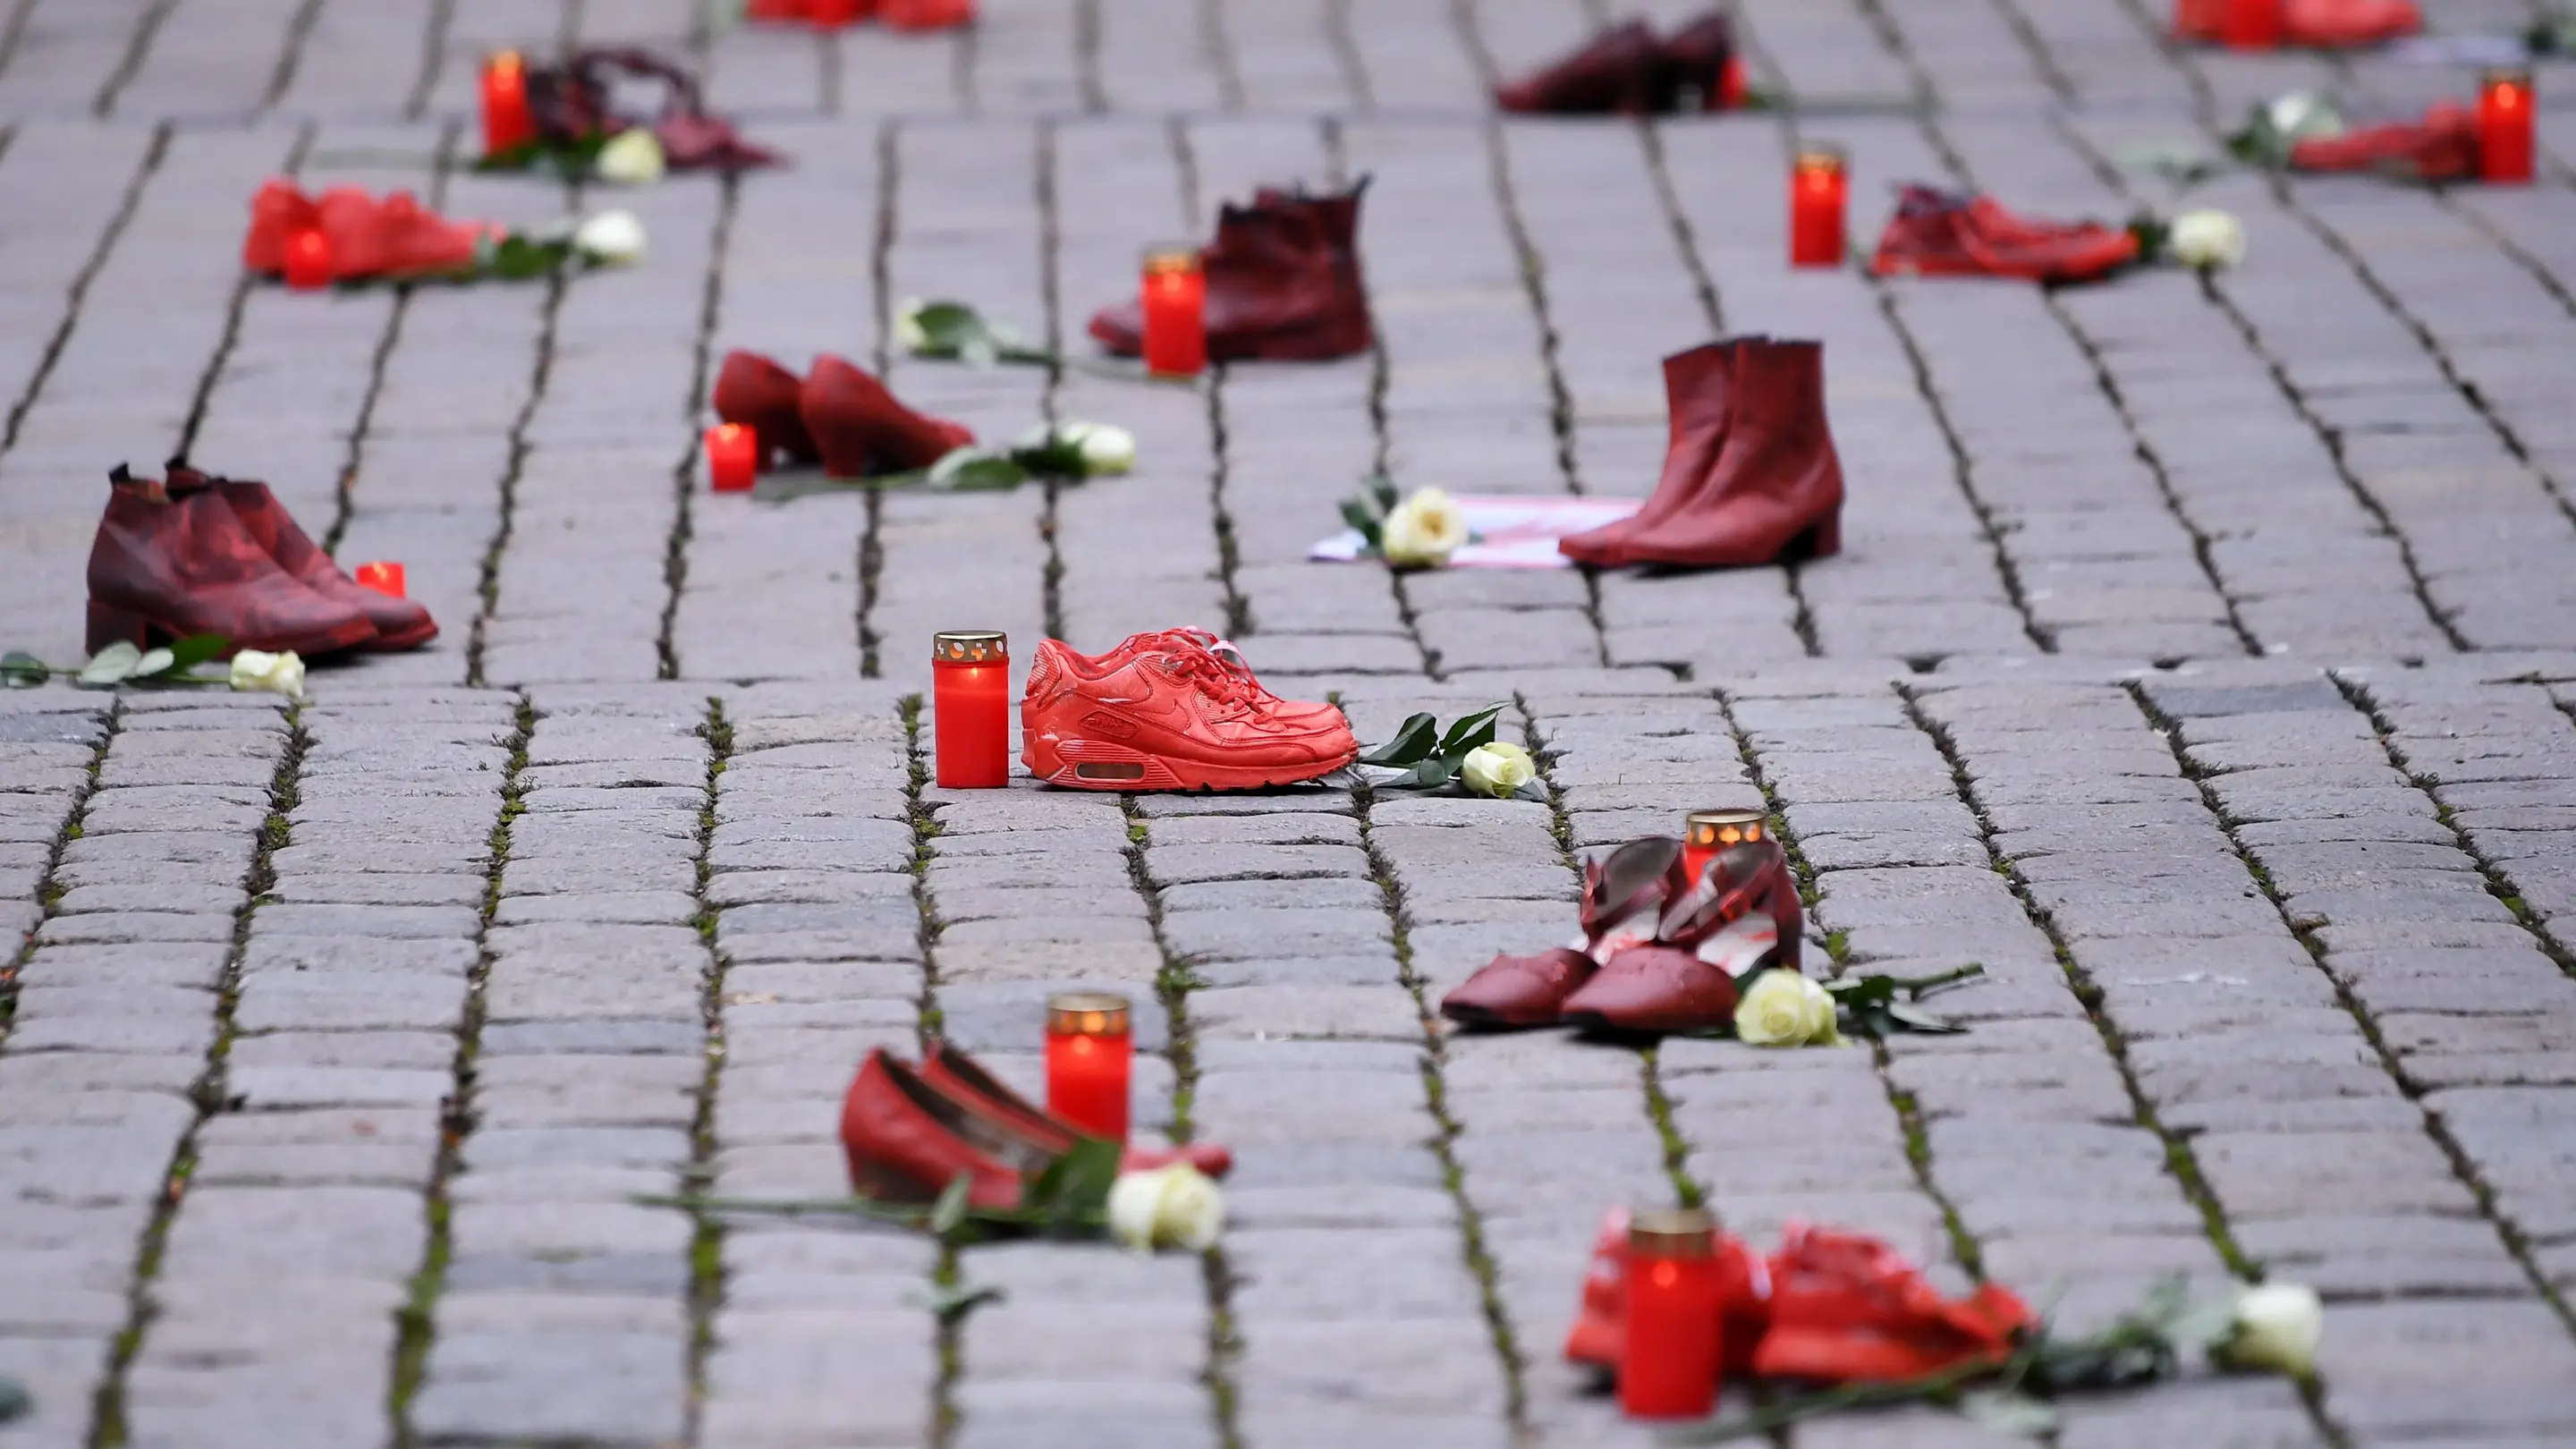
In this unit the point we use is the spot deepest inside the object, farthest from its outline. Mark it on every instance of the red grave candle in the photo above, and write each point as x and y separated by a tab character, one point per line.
2252	24
733	457
2504	125
1669	1367
1089	1057
970	678
507	122
384	578
1175	302
1710	833
308	261
1819	190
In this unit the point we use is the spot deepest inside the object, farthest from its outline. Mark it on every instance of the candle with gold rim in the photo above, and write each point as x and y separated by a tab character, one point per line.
1668	1365
508	124
970	697
1090	1057
1819	192
2504	125
1707	834
1174	297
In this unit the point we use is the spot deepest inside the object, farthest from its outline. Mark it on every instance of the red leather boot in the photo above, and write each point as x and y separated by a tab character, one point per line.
1283	284
277	213
1777	489
168	565
962	1080
1624	896
1616	73
766	398
1698	388
859	427
1699	63
400	623
2441	147
1937	233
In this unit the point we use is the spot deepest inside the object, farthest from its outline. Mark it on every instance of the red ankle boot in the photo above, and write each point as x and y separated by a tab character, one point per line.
2441	147
399	623
277	213
1939	233
1617	73
761	395
1777	488
1698	387
860	428
1283	284
168	565
1699	69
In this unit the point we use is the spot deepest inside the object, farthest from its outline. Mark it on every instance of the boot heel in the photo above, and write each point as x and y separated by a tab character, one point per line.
109	624
1822	541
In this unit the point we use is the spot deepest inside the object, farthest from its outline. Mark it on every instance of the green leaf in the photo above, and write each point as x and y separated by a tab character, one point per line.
1075	1185
971	470
2009	1413
947	327
2204	1323
14	1401
153	662
519	258
111	664
1431	774
951	1207
1534	790
1382	493
1412	743
1863	993
22	670
1915	1018
951	1302
1054	458
1371	526
1470	733
196	649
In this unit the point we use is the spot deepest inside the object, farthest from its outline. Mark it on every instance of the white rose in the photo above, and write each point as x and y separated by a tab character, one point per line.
1824	1015
1497	769
2304	115
632	157
1106	448
1169	1207
909	337
283	674
1423	531
2277	1327
1775	1010
2206	239
612	238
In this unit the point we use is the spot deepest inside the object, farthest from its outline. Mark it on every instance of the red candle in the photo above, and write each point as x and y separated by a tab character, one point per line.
507	123
1709	833
1732	92
2252	24
1668	1368
1175	299
1089	1053
383	577
1818	193
308	261
733	457
2504	125
970	698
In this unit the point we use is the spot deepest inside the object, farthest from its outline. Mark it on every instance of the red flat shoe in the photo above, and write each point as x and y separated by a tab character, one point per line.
761	395
1714	935
278	213
1938	233
400	623
394	237
1624	895
1283	284
2441	147
859	428
1846	1308
167	565
952	1073
906	1141
1616	73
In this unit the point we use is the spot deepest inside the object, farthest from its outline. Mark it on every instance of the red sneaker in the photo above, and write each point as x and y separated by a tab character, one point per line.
1171	719
277	214
394	237
1955	234
1315	713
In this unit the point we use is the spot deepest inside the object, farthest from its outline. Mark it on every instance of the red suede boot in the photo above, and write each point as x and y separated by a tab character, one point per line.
859	427
760	395
1698	386
1956	234
1777	489
1699	69
1616	73
166	566
1283	284
400	623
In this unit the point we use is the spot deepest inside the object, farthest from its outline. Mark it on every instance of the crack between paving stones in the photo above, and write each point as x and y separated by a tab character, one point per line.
415	1322
1050	413
2517	1245
344	497
13	32
108	1428
1346	54
230	337
1229	551
137	49
1172	987
49	890
707	1229
684	475
78	295
488	585
880	284
1446	1129
947	1335
2042	59
2180	1161
1216	44
433	56
1086	56
290	56
1964	1247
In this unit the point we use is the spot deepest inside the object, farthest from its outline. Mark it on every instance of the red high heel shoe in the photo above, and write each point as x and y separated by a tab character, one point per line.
906	1141
1623	902
760	395
957	1076
858	427
1615	74
1742	916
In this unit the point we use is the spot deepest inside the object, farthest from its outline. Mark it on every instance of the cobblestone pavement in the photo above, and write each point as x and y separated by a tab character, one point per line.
2203	662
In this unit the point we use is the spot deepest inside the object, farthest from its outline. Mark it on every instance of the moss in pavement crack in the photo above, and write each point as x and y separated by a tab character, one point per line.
707	1230
49	889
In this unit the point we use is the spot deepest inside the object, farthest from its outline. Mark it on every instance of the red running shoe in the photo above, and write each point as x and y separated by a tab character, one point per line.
277	213
1956	234
394	237
2321	24
1294	711
1164	719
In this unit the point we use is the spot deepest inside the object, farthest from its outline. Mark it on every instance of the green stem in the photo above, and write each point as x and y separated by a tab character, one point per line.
1920	986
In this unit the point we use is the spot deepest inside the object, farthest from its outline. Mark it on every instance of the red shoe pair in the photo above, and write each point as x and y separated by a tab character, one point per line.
2322	24
897	14
578	101
191	554
1750	475
908	1133
1829	1307
366	237
1173	710
836	413
1956	234
2441	147
1283	283
1628	72
1659	952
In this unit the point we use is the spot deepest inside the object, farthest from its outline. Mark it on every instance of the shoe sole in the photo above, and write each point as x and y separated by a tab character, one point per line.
1095	765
